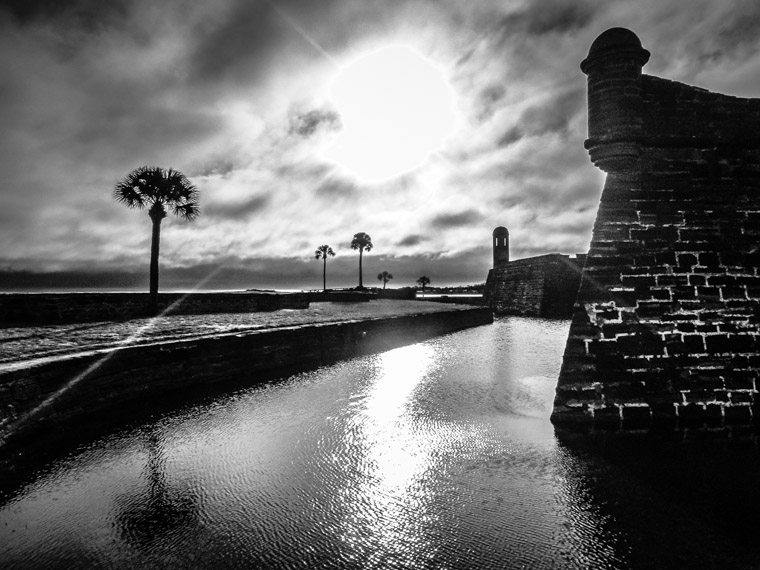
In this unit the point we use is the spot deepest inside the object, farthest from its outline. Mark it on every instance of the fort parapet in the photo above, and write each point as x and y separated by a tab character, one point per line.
666	327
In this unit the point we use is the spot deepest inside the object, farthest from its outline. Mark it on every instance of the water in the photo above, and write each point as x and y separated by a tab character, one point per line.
436	455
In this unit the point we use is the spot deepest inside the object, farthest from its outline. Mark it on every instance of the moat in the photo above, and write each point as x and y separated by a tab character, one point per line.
435	455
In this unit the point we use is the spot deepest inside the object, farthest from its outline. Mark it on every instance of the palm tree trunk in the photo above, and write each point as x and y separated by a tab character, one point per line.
156	215
324	274
361	285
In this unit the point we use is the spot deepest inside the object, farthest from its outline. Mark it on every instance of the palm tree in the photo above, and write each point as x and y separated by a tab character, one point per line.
157	189
384	277
321	253
363	243
423	281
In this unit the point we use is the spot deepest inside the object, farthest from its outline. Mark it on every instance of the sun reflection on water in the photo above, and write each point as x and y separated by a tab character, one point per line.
388	506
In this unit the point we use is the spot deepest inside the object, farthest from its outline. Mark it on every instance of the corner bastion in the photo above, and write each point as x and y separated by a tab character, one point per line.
666	325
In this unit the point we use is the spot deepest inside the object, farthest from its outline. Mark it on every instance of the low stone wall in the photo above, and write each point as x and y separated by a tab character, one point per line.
353	296
458	300
338	296
66	391
403	294
42	308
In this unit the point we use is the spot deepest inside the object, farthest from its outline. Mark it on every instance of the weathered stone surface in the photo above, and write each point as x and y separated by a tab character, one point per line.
51	392
666	326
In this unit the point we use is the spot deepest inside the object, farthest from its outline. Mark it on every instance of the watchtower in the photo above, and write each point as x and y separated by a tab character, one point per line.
500	247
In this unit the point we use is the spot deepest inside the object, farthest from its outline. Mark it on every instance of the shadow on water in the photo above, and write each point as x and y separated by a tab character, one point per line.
669	500
148	516
28	456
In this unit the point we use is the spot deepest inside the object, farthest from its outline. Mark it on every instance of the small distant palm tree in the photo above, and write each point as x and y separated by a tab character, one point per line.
384	277
157	189
321	253
423	281
363	243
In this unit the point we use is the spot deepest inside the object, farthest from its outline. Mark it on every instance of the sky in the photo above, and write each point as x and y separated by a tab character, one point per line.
423	123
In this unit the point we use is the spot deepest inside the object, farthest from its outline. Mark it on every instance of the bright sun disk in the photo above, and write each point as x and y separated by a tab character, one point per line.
396	108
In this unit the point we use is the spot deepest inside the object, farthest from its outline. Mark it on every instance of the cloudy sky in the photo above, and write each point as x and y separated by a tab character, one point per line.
424	123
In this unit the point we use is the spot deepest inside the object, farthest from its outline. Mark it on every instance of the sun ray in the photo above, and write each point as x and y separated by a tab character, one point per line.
19	422
311	41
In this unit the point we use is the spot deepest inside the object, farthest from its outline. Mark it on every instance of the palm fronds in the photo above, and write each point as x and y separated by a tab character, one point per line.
149	185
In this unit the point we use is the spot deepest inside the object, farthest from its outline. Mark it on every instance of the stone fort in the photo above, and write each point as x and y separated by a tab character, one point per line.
541	286
666	325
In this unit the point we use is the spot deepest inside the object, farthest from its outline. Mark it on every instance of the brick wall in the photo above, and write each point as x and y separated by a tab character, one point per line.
666	328
541	286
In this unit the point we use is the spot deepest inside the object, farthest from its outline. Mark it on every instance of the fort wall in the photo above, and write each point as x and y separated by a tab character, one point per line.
666	327
541	286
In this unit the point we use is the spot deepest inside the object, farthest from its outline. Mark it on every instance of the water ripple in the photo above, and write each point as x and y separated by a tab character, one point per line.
437	455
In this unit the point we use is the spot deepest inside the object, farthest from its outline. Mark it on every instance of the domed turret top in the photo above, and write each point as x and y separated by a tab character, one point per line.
613	38
501	231
613	42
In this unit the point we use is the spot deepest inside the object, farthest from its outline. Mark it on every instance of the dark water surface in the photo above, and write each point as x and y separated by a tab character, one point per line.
436	455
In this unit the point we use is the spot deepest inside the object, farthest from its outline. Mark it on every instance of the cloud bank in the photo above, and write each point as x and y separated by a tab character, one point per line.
234	94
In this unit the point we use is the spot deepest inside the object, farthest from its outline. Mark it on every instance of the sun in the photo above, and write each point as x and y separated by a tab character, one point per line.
396	108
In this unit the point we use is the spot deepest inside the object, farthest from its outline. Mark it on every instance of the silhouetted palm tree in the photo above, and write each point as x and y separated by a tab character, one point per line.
321	253
424	281
157	189
362	242
384	277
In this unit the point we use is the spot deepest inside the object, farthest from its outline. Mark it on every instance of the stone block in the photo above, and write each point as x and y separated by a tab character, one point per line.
691	414
738	415
636	416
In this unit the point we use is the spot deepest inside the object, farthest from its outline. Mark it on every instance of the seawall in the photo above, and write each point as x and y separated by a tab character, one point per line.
52	393
89	307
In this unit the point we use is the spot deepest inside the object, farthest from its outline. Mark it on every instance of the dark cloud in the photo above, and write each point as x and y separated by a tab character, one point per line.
445	221
512	135
236	45
741	26
236	211
88	14
307	123
334	187
487	100
736	36
552	116
547	17
249	39
214	166
550	187
413	239
140	131
235	273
